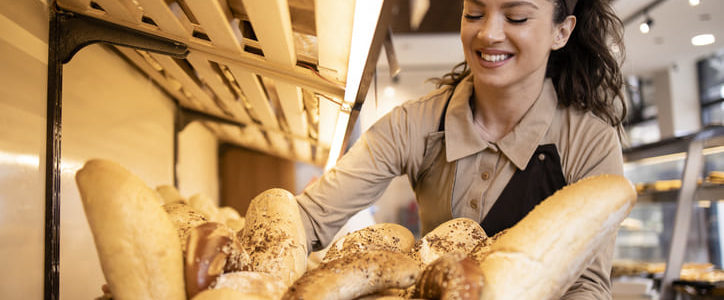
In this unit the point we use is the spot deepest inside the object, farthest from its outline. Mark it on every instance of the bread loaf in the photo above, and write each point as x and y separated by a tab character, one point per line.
137	244
251	282
230	217
456	235
204	205
184	218
229	294
356	275
542	255
169	194
274	236
209	247
385	236
451	277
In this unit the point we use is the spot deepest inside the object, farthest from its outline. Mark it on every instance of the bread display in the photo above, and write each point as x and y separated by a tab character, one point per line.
356	275
274	236
456	235
137	244
452	276
230	217
228	294
169	194
548	249
385	236
204	205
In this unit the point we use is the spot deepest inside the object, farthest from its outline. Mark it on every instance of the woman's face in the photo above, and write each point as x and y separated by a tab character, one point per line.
507	42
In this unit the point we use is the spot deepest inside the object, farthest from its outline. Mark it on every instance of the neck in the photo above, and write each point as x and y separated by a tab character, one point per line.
498	110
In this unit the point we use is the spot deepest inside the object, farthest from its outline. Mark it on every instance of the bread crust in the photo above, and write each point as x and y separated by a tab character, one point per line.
274	236
184	218
383	236
542	255
356	275
456	235
251	282
138	246
451	277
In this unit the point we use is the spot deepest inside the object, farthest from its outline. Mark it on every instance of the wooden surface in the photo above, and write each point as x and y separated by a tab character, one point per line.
245	174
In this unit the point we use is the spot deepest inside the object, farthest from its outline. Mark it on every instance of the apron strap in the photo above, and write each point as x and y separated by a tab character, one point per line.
541	178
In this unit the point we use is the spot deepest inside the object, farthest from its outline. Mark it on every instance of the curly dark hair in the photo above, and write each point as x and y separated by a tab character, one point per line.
586	73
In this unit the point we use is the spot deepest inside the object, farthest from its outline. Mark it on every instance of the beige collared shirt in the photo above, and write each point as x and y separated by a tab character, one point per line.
456	172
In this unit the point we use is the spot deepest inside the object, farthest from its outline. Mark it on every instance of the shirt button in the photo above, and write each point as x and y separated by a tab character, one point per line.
541	156
474	204
485	175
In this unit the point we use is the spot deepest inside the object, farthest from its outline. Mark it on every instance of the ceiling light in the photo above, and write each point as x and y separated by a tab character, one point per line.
645	26
694	2
703	39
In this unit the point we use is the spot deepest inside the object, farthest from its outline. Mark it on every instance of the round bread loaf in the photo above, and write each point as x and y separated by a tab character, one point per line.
229	216
138	246
184	218
384	236
251	282
456	235
274	236
452	276
356	275
209	247
542	255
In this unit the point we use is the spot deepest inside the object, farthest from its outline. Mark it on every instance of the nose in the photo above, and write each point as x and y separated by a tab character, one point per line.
491	30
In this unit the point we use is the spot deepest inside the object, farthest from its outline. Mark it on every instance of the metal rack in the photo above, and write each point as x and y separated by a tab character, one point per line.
227	64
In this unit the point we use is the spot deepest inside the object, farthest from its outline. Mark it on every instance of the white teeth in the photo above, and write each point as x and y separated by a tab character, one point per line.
494	58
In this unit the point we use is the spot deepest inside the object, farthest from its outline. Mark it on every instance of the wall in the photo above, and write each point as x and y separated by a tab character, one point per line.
111	111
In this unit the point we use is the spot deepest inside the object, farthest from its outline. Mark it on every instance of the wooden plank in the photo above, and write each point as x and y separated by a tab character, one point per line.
214	81
213	18
174	70
272	25
173	90
164	17
122	9
334	19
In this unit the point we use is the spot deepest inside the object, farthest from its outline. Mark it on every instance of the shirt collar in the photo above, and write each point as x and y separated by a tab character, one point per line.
462	139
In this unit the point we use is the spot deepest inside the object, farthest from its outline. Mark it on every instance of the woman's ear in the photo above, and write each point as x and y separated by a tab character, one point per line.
563	32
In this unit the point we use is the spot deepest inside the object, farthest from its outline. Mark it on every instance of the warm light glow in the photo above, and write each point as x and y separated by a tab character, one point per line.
694	2
389	92
25	160
341	128
703	39
644	27
366	15
704	203
669	158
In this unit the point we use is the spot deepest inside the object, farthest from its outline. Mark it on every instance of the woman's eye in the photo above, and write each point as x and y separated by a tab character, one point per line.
517	20
473	17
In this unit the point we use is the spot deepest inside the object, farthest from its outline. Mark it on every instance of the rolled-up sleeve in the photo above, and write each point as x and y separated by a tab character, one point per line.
357	180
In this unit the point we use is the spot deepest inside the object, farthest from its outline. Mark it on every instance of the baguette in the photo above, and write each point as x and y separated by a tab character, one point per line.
184	218
228	294
138	247
451	277
542	255
251	282
274	236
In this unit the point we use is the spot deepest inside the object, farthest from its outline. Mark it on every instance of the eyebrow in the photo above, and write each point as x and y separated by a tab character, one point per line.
507	4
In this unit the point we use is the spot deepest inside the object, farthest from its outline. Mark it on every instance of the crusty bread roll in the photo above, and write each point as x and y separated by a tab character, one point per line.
356	275
483	247
209	247
452	276
137	244
170	194
456	235
229	294
251	282
542	255
184	218
229	216
384	236
274	236
205	206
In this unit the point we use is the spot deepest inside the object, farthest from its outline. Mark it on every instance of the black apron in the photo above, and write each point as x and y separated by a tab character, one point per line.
527	188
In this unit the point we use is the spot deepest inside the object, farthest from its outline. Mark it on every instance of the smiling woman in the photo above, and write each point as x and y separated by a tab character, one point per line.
534	107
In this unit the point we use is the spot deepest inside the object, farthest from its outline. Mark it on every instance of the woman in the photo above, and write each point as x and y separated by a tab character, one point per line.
536	106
